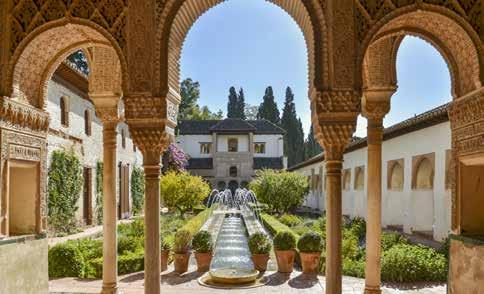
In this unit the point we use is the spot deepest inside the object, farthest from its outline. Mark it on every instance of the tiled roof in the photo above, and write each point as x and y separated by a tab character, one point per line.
200	163
228	125
268	162
424	120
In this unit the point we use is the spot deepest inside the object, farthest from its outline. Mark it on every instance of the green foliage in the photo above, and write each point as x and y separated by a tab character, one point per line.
290	220
388	240
182	191
410	263
182	241
444	249
130	262
281	190
99	192
285	240
268	108
129	244
349	245
358	227
189	108
165	243
66	260
259	243
65	184
202	242
311	146
236	104
294	137
137	189
195	223
354	268
273	225
133	229
251	111
310	242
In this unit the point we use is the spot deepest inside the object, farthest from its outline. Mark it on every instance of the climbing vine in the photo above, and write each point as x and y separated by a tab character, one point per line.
137	189
99	192
64	186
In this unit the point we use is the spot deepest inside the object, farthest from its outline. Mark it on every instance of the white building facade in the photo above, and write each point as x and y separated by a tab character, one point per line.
75	126
416	176
228	152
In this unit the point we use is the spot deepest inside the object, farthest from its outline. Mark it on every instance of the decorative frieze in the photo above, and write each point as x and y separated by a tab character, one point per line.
20	116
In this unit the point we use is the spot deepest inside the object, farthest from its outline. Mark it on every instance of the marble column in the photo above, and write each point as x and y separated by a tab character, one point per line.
110	268
374	106
151	162
334	164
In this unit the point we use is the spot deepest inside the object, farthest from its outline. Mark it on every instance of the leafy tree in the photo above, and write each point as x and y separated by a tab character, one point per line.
182	191
241	105
232	105
251	111
294	138
189	108
311	146
79	60
137	189
174	159
99	192
65	184
268	108
280	190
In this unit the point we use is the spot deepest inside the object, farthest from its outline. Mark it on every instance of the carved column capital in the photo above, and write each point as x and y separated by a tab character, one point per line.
107	107
154	138
375	103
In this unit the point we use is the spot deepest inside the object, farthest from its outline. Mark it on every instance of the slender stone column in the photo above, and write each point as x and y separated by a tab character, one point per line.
151	162
375	105
334	164
110	269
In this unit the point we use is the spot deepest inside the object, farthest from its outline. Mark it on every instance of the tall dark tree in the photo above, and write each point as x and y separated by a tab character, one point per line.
268	108
311	146
232	109
294	138
189	108
241	105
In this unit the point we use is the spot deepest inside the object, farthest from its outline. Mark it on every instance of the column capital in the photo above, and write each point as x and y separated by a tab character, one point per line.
334	133
151	139
375	103
107	106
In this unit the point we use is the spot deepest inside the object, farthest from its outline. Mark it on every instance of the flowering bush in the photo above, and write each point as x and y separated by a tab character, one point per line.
174	159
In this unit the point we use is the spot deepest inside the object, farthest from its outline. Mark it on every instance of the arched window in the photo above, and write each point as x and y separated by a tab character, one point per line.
87	122
64	109
123	138
424	175
346	180
395	176
359	178
233	171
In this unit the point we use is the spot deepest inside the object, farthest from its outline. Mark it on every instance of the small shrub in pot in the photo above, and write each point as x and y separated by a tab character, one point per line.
284	245
260	246
310	246
165	253
203	245
181	248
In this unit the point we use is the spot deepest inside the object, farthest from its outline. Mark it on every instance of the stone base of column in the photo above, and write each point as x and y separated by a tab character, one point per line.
372	290
110	288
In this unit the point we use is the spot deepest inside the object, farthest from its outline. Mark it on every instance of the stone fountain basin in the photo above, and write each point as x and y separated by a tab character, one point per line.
233	276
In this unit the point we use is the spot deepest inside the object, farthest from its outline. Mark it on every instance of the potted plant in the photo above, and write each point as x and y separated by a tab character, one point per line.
310	246
165	253
260	246
284	245
203	245
181	247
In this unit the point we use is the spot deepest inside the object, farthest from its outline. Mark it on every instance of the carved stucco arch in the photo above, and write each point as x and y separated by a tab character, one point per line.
178	17
455	39
40	53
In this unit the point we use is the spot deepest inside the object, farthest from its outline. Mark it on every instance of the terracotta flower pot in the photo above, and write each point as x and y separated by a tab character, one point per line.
203	261
285	260
164	259
310	262
260	261
181	262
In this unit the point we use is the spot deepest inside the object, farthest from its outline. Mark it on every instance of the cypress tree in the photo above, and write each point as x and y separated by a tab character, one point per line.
311	146
241	105
294	138
268	108
232	104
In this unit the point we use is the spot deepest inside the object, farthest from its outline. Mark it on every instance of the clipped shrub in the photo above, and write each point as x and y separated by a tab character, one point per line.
129	244
66	260
290	220
202	242
388	240
285	240
273	225
358	227
413	263
354	268
310	242
182	241
259	243
130	262
133	229
300	230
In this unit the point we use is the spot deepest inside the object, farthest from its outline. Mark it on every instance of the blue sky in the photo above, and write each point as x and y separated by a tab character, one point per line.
254	44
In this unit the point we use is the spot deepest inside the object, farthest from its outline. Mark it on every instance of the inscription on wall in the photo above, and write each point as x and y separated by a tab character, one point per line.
24	153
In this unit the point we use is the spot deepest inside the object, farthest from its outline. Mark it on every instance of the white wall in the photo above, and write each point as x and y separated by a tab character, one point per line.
191	144
274	145
243	142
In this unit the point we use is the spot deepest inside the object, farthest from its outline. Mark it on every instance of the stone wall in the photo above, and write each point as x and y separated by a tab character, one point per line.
466	274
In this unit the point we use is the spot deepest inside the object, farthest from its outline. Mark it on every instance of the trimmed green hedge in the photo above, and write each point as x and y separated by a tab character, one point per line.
66	260
274	226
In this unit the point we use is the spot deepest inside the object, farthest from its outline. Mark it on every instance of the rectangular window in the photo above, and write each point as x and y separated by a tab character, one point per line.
260	148
205	148
233	145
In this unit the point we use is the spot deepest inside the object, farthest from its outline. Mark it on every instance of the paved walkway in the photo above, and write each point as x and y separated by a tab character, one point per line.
173	283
